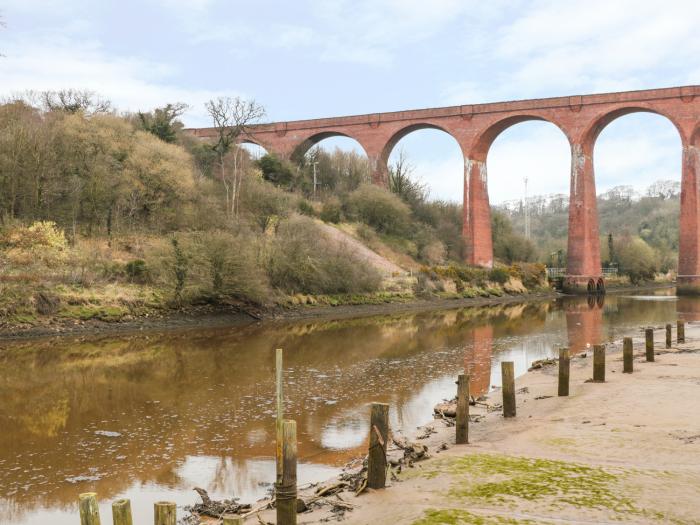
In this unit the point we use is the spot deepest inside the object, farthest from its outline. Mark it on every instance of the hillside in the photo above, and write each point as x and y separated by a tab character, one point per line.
633	226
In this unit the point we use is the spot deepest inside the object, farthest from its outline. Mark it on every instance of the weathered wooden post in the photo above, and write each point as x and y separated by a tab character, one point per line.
164	513
232	519
378	437
89	509
564	369
508	382
649	344
121	512
627	356
668	336
680	329
279	422
462	419
286	489
599	363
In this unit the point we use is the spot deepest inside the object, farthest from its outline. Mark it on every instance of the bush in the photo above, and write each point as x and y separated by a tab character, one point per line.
305	208
499	275
136	271
42	242
331	211
277	172
304	259
379	208
232	266
636	259
264	203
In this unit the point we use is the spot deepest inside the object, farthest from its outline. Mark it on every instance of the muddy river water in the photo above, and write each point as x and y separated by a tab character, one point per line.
150	416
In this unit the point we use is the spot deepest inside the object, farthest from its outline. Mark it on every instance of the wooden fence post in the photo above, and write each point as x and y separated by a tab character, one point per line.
627	356
649	344
680	328
232	519
378	437
279	422
164	513
89	510
508	387
564	369
286	490
462	419
599	363
668	336
121	512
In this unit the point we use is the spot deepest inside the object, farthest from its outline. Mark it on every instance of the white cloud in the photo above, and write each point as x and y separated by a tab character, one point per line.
131	83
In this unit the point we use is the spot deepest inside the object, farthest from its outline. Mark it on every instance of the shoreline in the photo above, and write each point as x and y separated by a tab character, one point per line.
202	317
605	443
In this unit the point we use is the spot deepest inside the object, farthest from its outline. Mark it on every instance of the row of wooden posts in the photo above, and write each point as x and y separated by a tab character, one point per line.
165	512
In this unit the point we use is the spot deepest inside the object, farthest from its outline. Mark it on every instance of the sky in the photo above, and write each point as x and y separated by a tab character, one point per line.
318	58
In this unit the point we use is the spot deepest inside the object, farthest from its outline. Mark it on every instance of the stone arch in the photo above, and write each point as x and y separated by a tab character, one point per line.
403	132
695	136
479	148
249	141
305	145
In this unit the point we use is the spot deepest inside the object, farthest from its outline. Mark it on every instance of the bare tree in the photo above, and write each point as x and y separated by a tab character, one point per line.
232	118
401	181
74	100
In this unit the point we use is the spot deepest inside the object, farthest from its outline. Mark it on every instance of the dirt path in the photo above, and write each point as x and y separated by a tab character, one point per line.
624	451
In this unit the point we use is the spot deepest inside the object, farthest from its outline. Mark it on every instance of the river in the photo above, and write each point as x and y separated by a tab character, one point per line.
149	416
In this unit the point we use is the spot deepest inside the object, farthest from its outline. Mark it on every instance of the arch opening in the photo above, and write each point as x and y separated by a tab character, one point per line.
425	167
255	151
331	164
529	164
637	159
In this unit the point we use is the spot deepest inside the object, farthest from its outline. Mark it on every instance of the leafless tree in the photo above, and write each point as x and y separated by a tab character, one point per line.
232	118
74	100
402	183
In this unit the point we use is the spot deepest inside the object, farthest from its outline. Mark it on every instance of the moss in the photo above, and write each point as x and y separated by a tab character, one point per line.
87	312
532	479
463	517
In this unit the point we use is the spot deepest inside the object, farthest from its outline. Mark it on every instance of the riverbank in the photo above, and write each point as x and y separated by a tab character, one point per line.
627	450
236	315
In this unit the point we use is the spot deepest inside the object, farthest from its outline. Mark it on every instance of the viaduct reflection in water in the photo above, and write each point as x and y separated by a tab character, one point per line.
196	407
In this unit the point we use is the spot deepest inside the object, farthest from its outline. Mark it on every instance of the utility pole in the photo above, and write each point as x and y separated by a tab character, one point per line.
527	213
314	164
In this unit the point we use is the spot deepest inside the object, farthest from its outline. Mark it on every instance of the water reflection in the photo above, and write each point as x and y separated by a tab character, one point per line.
151	416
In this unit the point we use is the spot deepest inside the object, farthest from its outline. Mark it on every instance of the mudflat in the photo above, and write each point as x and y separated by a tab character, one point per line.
623	451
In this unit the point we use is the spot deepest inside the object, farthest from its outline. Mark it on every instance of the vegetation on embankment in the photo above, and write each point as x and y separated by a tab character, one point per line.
111	217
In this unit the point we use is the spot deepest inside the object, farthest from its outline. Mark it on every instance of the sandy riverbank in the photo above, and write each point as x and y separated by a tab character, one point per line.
624	451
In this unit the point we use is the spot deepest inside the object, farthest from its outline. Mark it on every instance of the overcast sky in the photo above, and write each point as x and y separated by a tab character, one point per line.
315	58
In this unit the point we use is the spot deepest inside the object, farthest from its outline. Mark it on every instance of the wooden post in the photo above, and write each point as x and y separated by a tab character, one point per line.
668	336
680	328
286	490
279	422
599	363
650	343
564	368
508	386
164	513
89	510
462	420
378	437
121	512
232	519
627	356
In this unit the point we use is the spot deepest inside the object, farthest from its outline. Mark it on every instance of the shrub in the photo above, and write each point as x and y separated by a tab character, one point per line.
42	242
179	268
305	208
304	259
331	211
379	208
232	266
136	271
499	275
264	203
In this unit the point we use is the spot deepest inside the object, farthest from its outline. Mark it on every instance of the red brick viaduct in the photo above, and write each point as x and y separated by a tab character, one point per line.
581	118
